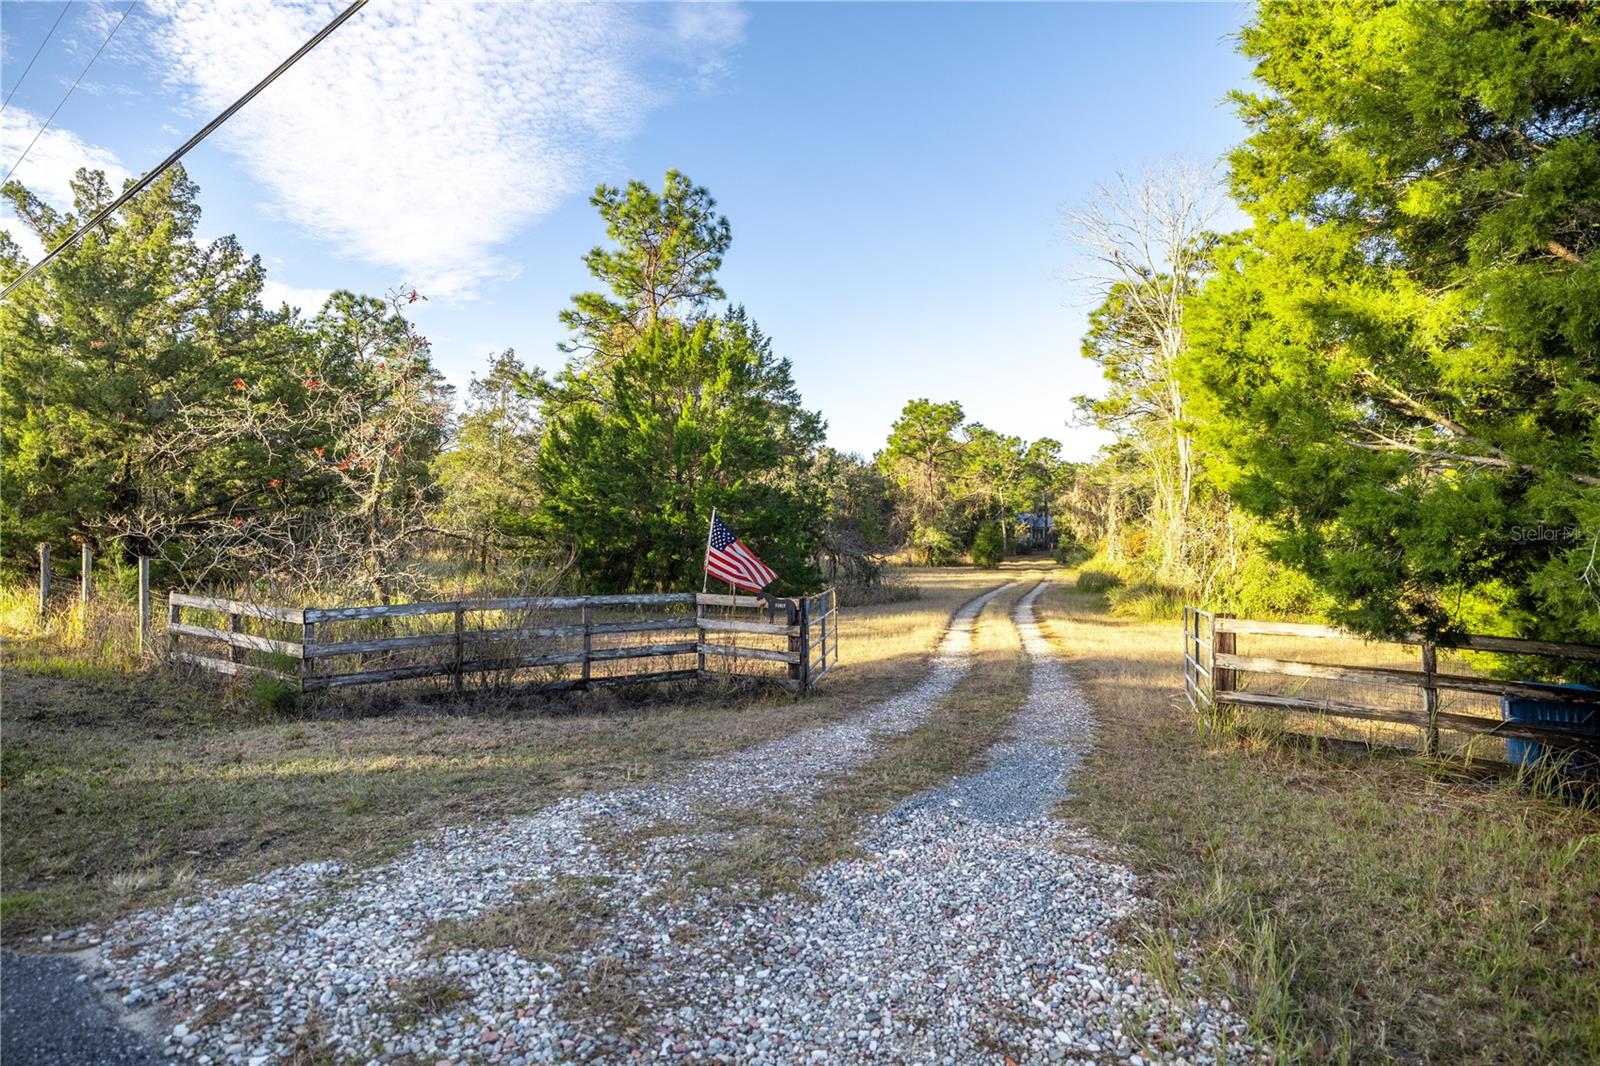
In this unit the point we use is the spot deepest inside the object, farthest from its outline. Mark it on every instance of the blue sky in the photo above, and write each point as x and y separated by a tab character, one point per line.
895	174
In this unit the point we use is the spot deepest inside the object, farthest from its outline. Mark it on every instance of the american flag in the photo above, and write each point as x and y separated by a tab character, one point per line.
731	561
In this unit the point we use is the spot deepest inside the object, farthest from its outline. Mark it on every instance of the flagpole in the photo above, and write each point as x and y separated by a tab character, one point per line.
705	574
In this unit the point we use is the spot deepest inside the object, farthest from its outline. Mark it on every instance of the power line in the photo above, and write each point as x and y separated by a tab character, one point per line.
35	58
69	91
183	149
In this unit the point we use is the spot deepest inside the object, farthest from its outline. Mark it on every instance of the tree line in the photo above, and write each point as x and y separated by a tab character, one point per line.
1378	402
154	405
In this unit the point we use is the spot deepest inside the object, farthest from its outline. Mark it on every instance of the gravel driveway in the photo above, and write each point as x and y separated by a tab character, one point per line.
973	928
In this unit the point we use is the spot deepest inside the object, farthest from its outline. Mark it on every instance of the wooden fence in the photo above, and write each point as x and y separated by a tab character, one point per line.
1212	669
561	641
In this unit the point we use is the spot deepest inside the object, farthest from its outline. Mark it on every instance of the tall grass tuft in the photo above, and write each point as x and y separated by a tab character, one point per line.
72	636
1147	600
1097	582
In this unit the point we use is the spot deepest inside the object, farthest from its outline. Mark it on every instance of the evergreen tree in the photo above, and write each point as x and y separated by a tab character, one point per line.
995	474
669	246
923	459
859	528
1401	358
487	476
135	323
698	415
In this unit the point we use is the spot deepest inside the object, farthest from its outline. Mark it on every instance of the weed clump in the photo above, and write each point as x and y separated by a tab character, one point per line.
272	695
1097	582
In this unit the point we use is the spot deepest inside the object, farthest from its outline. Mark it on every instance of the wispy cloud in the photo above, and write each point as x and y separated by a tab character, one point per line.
49	168
420	136
53	161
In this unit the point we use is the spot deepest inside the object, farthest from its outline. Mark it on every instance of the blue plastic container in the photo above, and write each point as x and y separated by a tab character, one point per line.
1581	717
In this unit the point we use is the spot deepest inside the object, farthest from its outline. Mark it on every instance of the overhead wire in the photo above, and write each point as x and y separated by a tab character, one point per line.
35	59
133	190
68	93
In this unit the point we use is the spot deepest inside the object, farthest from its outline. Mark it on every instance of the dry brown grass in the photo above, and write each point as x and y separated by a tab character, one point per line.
122	782
548	921
1355	907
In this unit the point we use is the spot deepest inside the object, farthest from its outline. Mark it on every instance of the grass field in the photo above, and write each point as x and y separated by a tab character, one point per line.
122	783
1354	907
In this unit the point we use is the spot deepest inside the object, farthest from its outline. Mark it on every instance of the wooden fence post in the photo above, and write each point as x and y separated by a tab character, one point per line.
798	672
308	665
1222	679
44	579
1430	699
86	581
235	625
700	637
461	649
174	616
588	643
144	605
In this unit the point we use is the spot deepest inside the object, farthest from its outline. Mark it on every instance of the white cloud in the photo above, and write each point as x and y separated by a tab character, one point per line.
708	33
49	168
275	294
56	157
419	136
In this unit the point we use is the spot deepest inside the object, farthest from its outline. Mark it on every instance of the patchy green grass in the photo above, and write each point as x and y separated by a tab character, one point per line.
122	781
421	998
1354	907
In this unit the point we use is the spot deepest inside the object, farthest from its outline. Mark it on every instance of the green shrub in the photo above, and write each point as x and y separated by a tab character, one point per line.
1097	582
1149	601
1068	552
987	548
1261	588
272	695
932	546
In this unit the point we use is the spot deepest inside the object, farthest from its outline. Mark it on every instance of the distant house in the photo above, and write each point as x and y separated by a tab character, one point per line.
1038	531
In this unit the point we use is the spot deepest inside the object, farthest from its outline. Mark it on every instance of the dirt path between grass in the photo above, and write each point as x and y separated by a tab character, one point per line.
969	926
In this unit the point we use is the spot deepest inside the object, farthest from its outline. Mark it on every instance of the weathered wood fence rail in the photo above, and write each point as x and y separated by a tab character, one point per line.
577	639
1212	667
